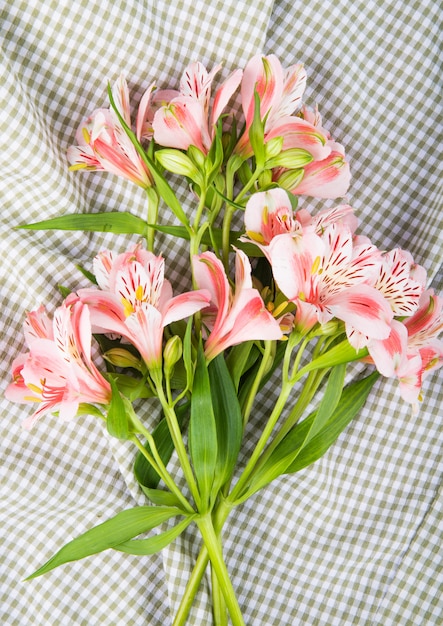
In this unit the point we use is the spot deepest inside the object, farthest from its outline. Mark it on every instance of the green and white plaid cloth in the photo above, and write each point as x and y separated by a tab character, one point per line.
353	539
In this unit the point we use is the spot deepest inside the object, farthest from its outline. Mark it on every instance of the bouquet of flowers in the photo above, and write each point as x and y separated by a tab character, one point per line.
289	299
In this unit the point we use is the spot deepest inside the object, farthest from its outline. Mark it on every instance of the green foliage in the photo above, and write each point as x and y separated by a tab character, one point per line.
110	534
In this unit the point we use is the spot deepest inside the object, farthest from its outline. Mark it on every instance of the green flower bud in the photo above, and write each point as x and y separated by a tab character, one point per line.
291	179
291	159
122	358
273	148
178	163
172	353
265	179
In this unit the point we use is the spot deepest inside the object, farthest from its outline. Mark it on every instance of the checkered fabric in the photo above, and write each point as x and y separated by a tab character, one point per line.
353	539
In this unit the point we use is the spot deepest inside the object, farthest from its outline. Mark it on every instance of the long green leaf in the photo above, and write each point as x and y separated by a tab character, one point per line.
228	418
154	544
144	472
202	429
161	497
307	441
216	233
117	421
112	222
125	525
341	353
352	401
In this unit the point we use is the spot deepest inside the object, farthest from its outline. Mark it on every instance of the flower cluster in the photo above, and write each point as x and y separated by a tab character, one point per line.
205	354
329	272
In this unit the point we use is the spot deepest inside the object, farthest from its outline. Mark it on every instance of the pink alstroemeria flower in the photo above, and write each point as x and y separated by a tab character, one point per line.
280	91
137	302
270	213
185	120
58	372
232	317
423	351
328	276
104	145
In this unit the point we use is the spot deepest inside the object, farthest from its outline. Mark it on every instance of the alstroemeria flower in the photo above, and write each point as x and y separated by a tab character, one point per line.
395	282
137	302
280	91
185	119
104	145
232	317
270	213
58	372
328	276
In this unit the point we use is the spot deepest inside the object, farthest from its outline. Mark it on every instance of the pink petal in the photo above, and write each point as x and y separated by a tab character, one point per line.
329	178
210	275
185	304
389	354
120	93
146	333
179	124
143	113
298	133
364	308
263	74
224	94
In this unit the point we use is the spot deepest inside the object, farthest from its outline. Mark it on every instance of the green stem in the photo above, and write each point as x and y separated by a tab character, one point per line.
226	231
215	554
152	217
267	432
220	515
249	184
191	588
261	372
159	467
306	395
218	602
177	439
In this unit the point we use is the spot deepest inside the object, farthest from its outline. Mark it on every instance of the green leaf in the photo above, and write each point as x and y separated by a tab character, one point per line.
187	355
87	274
310	439
112	222
125	525
341	353
202	429
352	401
132	388
286	452
228	418
154	544
238	361
117	421
145	474
256	133
161	497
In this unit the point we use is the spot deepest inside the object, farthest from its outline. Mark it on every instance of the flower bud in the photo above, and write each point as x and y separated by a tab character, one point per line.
291	159
172	353
178	163
290	179
265	179
197	157
122	358
273	147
